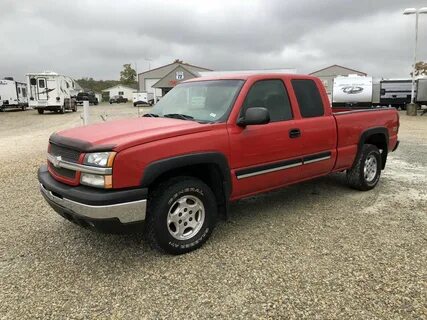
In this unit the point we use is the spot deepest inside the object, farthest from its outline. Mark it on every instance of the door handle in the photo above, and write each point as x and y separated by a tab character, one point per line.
294	133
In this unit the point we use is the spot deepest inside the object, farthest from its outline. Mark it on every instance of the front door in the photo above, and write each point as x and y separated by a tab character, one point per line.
265	156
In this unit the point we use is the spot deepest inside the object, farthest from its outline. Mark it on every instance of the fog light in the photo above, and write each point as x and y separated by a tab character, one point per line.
96	180
93	180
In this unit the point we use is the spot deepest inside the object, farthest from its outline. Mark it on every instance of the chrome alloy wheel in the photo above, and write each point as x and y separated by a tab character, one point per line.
185	217
370	168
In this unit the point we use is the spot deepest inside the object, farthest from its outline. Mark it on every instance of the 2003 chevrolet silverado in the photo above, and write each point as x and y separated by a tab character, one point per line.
208	142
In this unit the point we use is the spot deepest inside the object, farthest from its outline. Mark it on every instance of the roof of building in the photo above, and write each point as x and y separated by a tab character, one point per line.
161	83
338	66
166	69
119	85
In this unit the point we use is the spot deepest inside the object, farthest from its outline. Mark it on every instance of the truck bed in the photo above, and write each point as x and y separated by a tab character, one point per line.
351	125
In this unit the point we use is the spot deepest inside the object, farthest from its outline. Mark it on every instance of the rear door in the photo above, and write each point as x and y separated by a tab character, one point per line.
41	89
265	156
317	127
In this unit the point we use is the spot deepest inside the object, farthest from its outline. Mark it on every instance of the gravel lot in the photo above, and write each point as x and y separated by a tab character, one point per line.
314	250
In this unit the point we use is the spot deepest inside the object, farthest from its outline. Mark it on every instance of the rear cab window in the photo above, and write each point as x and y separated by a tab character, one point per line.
308	96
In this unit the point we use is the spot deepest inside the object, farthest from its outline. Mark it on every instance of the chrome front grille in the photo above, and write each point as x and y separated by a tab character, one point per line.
63	172
65	153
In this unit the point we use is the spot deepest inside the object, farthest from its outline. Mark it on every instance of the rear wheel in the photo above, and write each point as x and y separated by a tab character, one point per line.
40	111
365	173
62	109
181	215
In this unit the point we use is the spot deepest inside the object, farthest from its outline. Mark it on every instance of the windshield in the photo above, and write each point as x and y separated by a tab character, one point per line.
201	101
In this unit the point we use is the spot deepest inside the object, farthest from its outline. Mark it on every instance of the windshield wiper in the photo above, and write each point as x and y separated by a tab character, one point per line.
178	116
151	115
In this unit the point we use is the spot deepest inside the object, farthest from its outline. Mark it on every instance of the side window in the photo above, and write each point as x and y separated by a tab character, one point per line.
308	96
24	92
270	94
41	83
19	90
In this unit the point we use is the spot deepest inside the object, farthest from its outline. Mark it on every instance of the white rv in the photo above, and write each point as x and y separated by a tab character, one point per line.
13	94
52	92
421	96
352	90
396	92
142	98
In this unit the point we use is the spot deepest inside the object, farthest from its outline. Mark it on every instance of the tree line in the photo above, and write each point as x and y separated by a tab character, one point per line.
127	77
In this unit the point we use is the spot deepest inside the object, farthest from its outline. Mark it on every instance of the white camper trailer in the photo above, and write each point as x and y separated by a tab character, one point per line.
352	90
142	98
421	97
52	92
396	92
13	94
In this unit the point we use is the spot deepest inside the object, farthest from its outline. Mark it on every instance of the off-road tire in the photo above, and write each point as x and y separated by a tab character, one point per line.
159	204
356	175
40	111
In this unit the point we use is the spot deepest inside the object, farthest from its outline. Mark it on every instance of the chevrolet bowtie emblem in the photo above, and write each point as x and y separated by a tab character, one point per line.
56	160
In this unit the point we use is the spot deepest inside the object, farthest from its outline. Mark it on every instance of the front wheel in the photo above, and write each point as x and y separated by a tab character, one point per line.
40	111
181	215
365	173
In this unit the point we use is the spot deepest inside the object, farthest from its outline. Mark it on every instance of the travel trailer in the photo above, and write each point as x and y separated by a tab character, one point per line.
49	91
396	92
13	94
142	98
421	97
352	90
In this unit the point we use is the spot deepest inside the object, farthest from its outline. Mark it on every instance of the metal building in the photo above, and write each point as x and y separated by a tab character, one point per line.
161	80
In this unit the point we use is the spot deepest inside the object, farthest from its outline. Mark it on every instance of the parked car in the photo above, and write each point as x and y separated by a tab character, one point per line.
208	142
87	96
118	99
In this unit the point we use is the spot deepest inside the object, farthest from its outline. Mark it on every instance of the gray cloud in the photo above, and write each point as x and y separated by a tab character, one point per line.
94	38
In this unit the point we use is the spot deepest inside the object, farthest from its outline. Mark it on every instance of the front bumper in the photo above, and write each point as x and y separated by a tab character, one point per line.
92	206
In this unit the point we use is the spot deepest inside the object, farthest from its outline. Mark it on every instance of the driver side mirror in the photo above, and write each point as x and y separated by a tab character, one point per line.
253	116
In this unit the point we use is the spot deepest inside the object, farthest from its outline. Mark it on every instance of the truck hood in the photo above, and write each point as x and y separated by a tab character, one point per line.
122	134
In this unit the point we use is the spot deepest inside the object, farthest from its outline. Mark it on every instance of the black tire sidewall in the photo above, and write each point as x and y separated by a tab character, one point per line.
190	187
372	150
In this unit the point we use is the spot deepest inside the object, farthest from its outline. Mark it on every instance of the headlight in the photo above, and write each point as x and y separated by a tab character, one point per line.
100	159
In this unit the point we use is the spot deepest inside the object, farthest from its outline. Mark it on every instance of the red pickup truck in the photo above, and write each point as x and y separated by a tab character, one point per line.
208	142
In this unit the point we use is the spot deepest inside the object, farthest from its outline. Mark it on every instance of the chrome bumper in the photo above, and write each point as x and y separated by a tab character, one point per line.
126	212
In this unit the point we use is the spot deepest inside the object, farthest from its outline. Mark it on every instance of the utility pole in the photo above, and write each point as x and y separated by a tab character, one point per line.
411	109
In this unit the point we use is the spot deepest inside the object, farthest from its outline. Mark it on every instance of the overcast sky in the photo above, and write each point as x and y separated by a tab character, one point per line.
95	38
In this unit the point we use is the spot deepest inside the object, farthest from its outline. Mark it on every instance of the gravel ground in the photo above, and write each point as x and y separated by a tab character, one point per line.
314	250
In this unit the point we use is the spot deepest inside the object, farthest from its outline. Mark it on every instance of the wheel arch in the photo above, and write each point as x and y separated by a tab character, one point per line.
210	167
378	137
